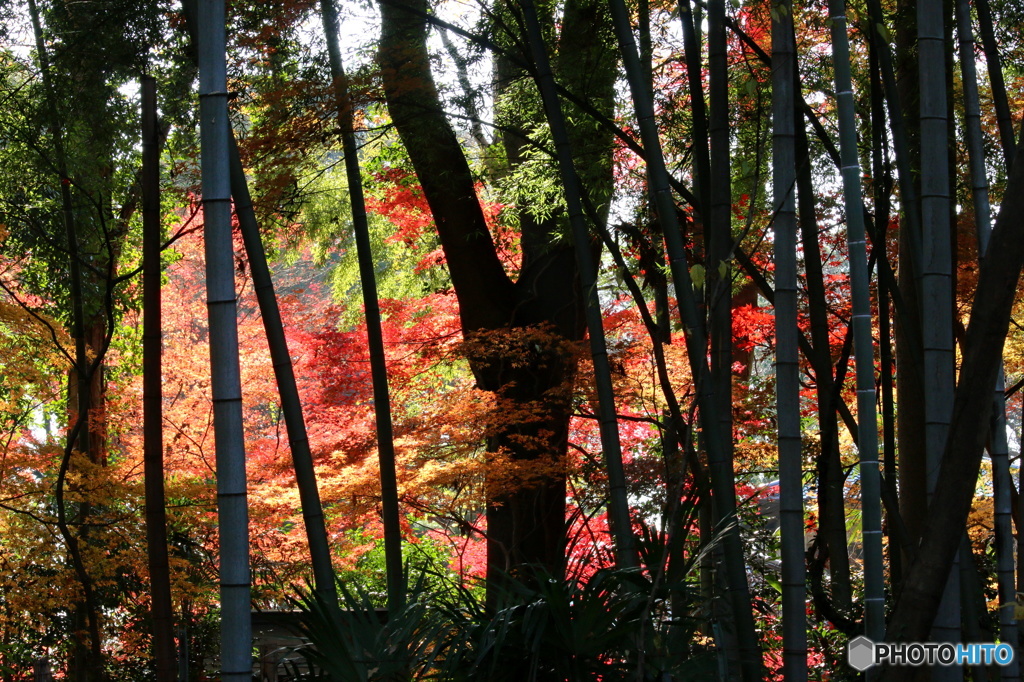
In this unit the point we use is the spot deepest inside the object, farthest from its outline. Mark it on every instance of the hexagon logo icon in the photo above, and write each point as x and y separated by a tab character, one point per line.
860	653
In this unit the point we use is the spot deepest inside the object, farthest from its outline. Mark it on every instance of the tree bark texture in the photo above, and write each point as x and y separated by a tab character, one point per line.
539	315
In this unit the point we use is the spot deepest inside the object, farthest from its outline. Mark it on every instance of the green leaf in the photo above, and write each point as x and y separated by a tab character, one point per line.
697	276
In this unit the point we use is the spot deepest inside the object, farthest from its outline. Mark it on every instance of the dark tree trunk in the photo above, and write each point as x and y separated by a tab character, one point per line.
156	513
538	317
391	515
910	418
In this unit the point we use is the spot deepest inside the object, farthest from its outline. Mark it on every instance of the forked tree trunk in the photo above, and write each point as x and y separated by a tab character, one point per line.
535	315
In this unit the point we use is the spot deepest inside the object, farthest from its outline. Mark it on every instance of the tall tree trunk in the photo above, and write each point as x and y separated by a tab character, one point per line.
537	314
152	397
375	339
718	231
232	510
936	275
618	503
718	278
860	275
87	660
787	365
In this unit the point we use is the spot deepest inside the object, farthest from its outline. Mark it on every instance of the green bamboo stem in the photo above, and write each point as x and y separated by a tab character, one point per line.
233	516
867	432
375	339
936	277
787	357
164	652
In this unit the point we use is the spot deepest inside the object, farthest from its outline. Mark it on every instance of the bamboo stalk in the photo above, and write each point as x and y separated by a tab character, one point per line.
882	186
164	652
368	281
935	278
232	511
291	405
1006	138
718	237
831	479
867	431
928	574
787	364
